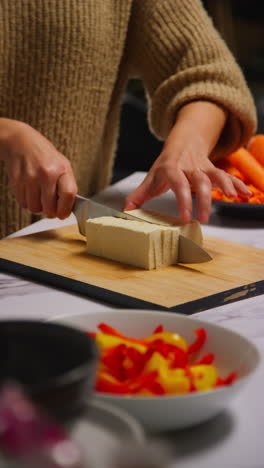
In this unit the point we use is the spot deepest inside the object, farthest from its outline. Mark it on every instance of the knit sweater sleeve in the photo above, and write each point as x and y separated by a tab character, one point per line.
181	57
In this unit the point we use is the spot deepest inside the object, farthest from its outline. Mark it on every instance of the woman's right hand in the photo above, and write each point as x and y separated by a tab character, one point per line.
40	177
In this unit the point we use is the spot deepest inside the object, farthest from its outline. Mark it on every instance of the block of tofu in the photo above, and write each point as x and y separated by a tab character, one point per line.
191	230
139	243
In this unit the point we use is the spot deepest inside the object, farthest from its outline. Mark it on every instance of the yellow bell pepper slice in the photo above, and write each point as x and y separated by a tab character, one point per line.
168	337
156	362
204	376
174	381
105	341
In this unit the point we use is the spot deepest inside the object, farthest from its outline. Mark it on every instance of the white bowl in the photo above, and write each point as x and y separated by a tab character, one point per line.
232	352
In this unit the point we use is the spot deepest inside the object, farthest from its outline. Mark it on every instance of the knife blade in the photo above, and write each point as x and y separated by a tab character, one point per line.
190	252
85	208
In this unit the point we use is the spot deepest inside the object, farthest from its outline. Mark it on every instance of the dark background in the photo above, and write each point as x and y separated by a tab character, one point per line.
241	24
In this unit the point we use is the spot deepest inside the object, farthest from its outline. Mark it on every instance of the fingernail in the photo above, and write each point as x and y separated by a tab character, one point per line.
232	194
247	191
129	206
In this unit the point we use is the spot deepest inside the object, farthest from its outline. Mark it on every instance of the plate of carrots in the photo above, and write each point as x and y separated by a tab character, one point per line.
247	164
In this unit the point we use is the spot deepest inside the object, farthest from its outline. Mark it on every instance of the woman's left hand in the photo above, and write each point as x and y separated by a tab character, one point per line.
184	165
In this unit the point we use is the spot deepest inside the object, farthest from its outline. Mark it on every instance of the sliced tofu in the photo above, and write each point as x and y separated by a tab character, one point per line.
191	230
137	243
131	242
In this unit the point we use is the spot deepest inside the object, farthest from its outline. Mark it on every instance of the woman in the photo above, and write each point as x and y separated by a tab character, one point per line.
64	66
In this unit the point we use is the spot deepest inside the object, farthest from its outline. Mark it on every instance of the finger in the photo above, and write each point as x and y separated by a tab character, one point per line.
241	187
152	186
202	187
66	192
221	179
49	199
180	185
49	175
230	184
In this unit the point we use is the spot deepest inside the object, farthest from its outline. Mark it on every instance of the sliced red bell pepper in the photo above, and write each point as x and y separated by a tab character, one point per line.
112	360
230	378
219	382
191	378
206	359
158	329
176	356
123	362
92	334
156	388
142	381
133	362
199	342
180	358
108	384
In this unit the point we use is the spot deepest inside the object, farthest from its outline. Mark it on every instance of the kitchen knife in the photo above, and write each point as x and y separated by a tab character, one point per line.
84	208
190	252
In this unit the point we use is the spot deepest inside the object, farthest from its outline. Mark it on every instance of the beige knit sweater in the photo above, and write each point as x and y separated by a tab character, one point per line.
64	66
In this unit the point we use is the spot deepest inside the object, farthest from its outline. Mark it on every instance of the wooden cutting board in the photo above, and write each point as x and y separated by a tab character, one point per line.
58	257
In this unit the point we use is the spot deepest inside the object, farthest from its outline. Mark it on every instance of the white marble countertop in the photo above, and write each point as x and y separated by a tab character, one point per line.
235	438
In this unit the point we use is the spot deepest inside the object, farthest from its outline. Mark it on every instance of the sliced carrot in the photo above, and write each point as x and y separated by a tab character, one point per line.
257	196
257	200
256	147
255	190
217	194
245	162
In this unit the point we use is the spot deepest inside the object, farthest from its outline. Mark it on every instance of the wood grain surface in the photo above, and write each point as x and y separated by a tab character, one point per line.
236	268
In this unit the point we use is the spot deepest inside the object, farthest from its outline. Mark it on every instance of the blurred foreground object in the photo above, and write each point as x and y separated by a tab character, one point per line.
29	438
55	365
